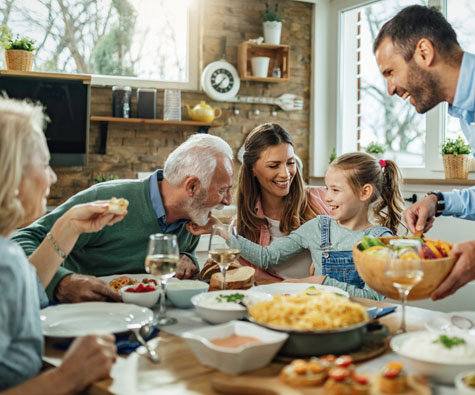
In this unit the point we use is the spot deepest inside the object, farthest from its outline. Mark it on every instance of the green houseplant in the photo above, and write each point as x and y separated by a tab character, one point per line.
19	53
376	149
272	22
456	155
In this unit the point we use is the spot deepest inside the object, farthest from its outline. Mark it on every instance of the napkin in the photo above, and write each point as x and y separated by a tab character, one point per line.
122	340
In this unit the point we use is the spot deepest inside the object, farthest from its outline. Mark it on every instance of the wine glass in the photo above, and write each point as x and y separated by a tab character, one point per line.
162	261
404	268
224	247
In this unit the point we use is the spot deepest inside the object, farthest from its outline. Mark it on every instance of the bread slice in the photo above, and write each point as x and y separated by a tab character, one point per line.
240	278
117	206
211	267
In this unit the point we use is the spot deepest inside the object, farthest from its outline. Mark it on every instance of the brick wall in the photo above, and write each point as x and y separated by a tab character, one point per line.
140	148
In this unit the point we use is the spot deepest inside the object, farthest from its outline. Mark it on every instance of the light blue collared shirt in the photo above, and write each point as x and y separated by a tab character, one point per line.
157	204
460	203
463	106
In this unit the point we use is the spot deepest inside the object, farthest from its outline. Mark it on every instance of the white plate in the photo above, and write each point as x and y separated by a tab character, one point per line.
443	323
80	319
293	288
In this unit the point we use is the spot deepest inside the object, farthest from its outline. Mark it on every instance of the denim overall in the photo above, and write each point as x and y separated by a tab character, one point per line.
339	264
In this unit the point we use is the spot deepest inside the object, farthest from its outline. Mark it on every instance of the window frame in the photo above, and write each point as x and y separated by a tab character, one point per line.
194	51
327	118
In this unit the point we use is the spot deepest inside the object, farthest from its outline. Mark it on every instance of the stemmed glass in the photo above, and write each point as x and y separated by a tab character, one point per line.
224	247
404	268
162	261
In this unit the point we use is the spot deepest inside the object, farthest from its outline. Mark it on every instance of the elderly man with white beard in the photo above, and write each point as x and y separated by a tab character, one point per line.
197	178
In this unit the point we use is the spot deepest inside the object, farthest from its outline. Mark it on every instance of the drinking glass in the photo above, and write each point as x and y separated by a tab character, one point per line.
224	247
404	268
161	261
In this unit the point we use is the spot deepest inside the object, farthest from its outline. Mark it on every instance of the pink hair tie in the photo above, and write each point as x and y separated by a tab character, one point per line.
382	162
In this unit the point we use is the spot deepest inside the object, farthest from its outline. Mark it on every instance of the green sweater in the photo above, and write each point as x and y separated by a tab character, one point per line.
116	249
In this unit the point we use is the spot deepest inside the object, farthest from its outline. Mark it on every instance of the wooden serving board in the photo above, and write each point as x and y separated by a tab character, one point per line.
246	385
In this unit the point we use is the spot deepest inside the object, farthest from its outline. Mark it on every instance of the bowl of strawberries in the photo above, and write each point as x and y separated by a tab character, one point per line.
141	294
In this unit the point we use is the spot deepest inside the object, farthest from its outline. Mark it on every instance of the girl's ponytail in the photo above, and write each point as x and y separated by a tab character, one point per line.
388	209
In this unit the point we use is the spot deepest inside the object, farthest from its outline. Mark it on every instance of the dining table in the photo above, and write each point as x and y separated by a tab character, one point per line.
179	371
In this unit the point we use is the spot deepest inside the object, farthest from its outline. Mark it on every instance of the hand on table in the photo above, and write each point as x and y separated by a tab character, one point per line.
87	360
420	216
462	272
186	268
83	288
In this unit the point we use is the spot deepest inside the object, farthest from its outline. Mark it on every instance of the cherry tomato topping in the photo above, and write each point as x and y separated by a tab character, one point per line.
344	361
339	374
360	378
329	358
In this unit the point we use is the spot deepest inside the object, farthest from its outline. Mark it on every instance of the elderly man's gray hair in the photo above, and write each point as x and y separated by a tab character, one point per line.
196	157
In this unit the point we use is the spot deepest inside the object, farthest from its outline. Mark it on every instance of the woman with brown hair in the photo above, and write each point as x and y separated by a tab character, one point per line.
272	198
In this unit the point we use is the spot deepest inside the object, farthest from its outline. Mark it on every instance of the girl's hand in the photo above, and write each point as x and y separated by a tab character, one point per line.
197	230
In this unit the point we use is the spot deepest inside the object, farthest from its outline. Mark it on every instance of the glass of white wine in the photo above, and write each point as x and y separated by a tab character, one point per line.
224	247
162	260
405	269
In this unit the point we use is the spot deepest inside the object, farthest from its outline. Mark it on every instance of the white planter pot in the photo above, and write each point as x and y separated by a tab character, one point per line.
260	66
272	32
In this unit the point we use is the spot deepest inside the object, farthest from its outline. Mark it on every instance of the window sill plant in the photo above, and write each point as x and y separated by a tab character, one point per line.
376	149
272	22
456	155
19	53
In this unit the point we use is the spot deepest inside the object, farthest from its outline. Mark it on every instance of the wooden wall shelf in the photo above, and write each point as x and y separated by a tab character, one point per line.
279	57
203	127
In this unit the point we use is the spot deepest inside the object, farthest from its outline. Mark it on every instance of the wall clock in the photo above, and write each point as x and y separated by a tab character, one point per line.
220	80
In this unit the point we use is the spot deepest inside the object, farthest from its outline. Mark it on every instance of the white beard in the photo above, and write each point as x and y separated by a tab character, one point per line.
198	213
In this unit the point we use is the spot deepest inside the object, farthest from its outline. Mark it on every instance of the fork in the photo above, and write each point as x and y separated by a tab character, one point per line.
136	330
287	101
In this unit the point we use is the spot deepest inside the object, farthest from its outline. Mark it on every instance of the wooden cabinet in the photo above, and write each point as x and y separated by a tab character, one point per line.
279	57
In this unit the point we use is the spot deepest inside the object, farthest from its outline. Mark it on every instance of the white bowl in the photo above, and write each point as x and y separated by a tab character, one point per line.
217	313
235	360
438	369
462	388
180	292
146	299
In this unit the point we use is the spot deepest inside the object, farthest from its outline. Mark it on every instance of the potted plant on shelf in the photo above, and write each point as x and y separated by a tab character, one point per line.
19	53
456	155
272	21
376	149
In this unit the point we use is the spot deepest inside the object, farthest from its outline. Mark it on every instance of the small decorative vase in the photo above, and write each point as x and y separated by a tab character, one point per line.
456	166
18	59
272	30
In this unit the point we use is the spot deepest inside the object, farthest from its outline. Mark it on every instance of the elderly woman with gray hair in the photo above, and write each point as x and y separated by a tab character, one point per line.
25	178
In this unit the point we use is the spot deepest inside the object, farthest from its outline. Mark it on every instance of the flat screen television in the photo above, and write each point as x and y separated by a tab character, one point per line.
67	103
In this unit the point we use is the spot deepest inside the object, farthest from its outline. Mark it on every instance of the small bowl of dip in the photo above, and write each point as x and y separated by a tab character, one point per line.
235	347
218	307
180	292
440	356
465	383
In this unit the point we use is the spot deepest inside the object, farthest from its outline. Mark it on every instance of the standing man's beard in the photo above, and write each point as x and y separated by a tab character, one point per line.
423	88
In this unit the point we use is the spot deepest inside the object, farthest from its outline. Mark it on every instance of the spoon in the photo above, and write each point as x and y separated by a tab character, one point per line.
136	330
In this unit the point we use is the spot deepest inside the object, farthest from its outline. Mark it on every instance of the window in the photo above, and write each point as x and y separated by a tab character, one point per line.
355	108
460	15
117	41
